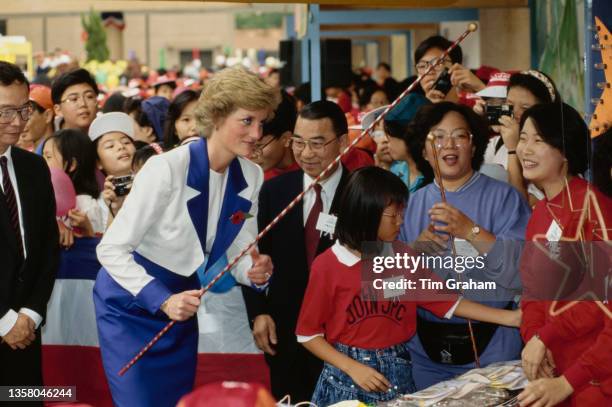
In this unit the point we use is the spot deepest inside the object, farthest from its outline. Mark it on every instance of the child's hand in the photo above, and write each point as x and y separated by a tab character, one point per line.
80	220
66	237
110	198
367	378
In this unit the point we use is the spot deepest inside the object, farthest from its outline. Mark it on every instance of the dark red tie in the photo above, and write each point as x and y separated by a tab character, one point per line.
311	234
11	203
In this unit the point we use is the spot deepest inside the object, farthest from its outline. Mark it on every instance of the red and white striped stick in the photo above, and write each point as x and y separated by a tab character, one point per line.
471	28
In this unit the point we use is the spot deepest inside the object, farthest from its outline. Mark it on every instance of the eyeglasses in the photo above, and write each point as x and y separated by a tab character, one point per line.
398	216
299	144
259	148
88	97
8	115
422	66
460	137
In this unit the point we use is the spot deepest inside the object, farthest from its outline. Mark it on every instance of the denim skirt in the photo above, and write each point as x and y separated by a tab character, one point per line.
393	362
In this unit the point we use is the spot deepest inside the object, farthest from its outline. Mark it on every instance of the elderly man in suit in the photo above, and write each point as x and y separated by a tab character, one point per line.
320	134
28	238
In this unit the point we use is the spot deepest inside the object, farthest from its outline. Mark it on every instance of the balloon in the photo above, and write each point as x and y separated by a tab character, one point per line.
65	195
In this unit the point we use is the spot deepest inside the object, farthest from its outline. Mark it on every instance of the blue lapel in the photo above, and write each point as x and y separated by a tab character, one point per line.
232	203
197	178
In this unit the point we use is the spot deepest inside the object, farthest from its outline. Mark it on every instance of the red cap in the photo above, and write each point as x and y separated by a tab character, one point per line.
41	95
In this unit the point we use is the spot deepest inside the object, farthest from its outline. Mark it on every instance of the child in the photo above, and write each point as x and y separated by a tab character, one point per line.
70	150
180	124
367	358
113	137
75	99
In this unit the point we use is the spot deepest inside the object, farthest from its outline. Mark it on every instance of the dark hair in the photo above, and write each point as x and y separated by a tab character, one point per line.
437	41
284	117
71	78
408	134
10	73
142	154
174	113
368	92
602	162
324	109
303	93
76	146
430	115
133	107
369	190
38	107
384	65
562	127
114	103
535	86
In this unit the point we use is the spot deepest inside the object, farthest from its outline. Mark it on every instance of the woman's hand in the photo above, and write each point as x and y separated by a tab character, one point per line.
480	107
545	392
532	356
464	79
367	378
182	306
262	268
80	220
457	223
66	237
509	131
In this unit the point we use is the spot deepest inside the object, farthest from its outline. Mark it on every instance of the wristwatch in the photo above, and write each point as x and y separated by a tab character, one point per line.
473	233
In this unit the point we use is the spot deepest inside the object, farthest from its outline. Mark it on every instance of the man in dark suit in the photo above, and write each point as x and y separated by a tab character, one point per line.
28	238
320	134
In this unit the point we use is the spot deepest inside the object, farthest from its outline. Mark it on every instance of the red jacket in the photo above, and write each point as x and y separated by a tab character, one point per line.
580	337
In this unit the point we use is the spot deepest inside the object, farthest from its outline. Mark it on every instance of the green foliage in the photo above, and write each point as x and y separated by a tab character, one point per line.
245	21
96	37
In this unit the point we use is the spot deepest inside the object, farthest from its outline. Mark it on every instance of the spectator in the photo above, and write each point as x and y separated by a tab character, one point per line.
75	99
180	123
40	126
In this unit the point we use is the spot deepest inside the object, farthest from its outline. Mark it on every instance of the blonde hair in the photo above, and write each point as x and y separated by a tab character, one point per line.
229	90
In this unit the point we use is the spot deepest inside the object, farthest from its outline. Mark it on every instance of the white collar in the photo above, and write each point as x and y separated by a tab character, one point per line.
344	255
7	153
328	185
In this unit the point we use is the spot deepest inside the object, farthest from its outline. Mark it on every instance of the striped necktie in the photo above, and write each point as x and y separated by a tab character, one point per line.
11	203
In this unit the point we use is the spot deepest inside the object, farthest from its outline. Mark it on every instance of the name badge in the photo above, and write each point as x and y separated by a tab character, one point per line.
554	232
326	224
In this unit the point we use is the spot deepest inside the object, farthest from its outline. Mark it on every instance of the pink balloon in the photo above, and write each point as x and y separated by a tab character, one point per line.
65	195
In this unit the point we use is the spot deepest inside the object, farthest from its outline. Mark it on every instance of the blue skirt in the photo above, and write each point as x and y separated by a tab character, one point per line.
167	371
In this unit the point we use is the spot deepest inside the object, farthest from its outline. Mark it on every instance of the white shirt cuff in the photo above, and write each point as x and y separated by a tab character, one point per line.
35	316
7	322
451	311
304	339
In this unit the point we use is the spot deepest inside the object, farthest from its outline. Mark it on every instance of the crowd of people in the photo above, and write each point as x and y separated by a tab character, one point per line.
179	182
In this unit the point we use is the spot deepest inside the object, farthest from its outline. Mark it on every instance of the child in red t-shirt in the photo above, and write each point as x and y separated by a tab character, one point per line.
363	342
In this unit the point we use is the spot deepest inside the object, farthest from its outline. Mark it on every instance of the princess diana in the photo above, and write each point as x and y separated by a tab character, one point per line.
189	212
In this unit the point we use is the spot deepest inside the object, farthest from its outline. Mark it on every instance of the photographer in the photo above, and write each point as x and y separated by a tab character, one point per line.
524	90
450	78
112	135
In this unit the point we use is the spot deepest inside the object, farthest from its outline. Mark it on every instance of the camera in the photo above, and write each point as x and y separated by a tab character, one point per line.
122	185
443	82
494	112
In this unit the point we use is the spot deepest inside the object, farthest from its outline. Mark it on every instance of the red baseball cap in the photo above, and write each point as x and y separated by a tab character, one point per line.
41	95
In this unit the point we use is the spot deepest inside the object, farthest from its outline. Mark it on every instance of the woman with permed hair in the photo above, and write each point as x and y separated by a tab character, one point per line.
190	211
480	217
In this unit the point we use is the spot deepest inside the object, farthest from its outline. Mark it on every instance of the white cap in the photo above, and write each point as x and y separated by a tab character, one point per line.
109	122
369	118
497	87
